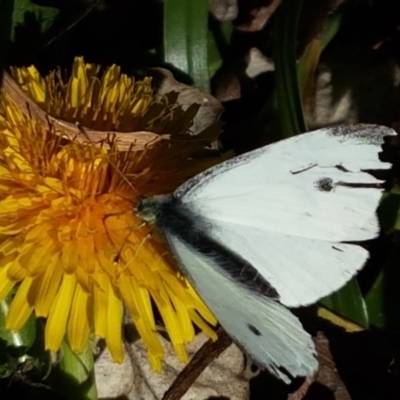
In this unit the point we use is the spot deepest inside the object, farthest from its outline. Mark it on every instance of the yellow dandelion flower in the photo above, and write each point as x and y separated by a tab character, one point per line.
69	241
111	101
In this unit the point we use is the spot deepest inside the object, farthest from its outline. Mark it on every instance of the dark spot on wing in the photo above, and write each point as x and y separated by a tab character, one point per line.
324	184
303	169
336	248
341	168
254	330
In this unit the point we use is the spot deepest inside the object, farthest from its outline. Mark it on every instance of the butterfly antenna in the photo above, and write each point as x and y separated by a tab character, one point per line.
126	180
80	15
111	162
118	255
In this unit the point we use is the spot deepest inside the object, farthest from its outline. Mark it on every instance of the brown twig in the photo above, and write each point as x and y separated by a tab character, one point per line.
200	361
301	392
327	375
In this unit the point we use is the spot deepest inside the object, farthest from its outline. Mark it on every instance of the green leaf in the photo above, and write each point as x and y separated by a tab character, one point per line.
308	62
185	38
284	53
348	302
15	346
30	23
22	339
333	24
383	299
74	377
218	44
31	18
389	211
6	11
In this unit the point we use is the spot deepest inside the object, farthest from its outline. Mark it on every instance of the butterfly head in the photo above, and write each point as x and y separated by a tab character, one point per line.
149	208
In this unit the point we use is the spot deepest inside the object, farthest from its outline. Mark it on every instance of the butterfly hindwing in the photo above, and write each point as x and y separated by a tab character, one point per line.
271	335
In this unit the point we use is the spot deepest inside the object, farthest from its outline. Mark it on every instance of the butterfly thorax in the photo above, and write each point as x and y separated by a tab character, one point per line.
149	209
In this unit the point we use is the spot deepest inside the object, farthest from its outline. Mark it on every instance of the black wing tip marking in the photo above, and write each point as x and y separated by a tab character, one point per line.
372	134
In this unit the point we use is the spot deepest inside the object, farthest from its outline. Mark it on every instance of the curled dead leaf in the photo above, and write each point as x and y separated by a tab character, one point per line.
209	110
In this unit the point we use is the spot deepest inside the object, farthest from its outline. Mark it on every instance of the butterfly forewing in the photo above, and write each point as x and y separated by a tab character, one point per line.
286	208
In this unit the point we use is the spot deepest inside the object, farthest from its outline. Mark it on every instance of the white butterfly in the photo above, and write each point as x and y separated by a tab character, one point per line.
270	229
